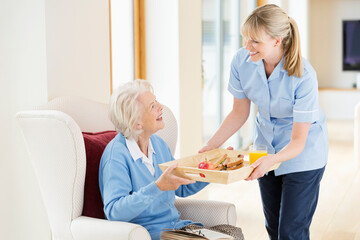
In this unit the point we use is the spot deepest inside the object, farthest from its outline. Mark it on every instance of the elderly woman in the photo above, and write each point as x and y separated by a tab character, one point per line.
133	187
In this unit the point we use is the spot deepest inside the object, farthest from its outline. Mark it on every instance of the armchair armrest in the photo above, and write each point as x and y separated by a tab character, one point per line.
87	228
210	213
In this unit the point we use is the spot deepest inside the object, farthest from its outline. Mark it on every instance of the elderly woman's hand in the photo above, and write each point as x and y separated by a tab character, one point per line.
168	181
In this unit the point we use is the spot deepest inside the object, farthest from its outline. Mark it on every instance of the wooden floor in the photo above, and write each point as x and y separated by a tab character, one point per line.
338	213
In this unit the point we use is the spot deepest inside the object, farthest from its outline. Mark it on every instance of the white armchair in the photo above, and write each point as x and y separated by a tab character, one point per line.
53	135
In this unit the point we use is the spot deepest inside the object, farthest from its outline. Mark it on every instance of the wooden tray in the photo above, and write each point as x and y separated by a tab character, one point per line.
188	167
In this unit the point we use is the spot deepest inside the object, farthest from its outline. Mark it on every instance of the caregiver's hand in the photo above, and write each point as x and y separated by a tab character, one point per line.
261	166
208	148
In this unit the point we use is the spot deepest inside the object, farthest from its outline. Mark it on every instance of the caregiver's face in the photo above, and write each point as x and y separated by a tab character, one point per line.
261	48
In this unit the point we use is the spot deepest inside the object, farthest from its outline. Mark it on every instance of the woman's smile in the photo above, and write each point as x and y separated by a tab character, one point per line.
159	118
253	53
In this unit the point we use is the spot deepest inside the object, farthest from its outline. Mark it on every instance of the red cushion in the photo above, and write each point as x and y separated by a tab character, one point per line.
95	144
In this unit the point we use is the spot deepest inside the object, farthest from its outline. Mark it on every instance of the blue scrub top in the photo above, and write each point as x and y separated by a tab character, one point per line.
282	100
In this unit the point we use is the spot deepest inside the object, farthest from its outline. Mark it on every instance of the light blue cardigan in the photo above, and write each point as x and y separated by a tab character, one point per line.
129	192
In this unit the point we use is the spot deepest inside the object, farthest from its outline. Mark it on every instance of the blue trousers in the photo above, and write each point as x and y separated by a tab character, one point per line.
289	202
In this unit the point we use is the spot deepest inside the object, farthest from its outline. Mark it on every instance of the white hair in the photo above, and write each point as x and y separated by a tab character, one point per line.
125	108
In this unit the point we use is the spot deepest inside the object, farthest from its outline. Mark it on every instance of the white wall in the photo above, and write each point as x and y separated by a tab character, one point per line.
339	104
298	10
122	42
162	51
47	48
190	77
23	85
77	48
173	44
325	40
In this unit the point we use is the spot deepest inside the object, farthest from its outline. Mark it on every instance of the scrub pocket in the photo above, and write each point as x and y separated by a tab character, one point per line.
285	108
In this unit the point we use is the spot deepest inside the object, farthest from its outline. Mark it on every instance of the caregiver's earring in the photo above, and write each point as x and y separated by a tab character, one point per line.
278	41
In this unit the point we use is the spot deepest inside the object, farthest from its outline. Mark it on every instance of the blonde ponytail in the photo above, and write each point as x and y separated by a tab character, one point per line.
277	24
293	59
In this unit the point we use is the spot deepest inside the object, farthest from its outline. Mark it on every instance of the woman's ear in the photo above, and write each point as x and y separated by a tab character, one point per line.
138	126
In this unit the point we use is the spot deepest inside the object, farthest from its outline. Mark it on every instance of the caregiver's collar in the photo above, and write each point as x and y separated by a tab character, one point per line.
275	73
248	59
135	151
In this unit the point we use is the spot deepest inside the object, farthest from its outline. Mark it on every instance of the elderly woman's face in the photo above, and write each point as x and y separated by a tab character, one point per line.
151	120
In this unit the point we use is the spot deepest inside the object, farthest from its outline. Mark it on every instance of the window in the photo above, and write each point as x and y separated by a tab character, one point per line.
122	42
221	39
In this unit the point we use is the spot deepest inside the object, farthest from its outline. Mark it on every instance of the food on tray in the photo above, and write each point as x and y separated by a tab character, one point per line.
203	165
188	167
211	166
206	165
222	163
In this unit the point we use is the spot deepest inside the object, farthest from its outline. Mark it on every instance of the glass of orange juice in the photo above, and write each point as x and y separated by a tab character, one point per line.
256	152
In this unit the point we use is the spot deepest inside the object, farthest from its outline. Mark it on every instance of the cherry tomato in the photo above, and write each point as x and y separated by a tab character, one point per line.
211	166
204	165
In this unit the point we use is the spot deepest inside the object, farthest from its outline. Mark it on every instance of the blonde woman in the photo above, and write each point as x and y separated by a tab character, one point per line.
270	72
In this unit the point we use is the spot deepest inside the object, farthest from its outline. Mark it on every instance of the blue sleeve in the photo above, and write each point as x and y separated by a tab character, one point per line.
306	106
234	85
187	190
120	203
183	190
